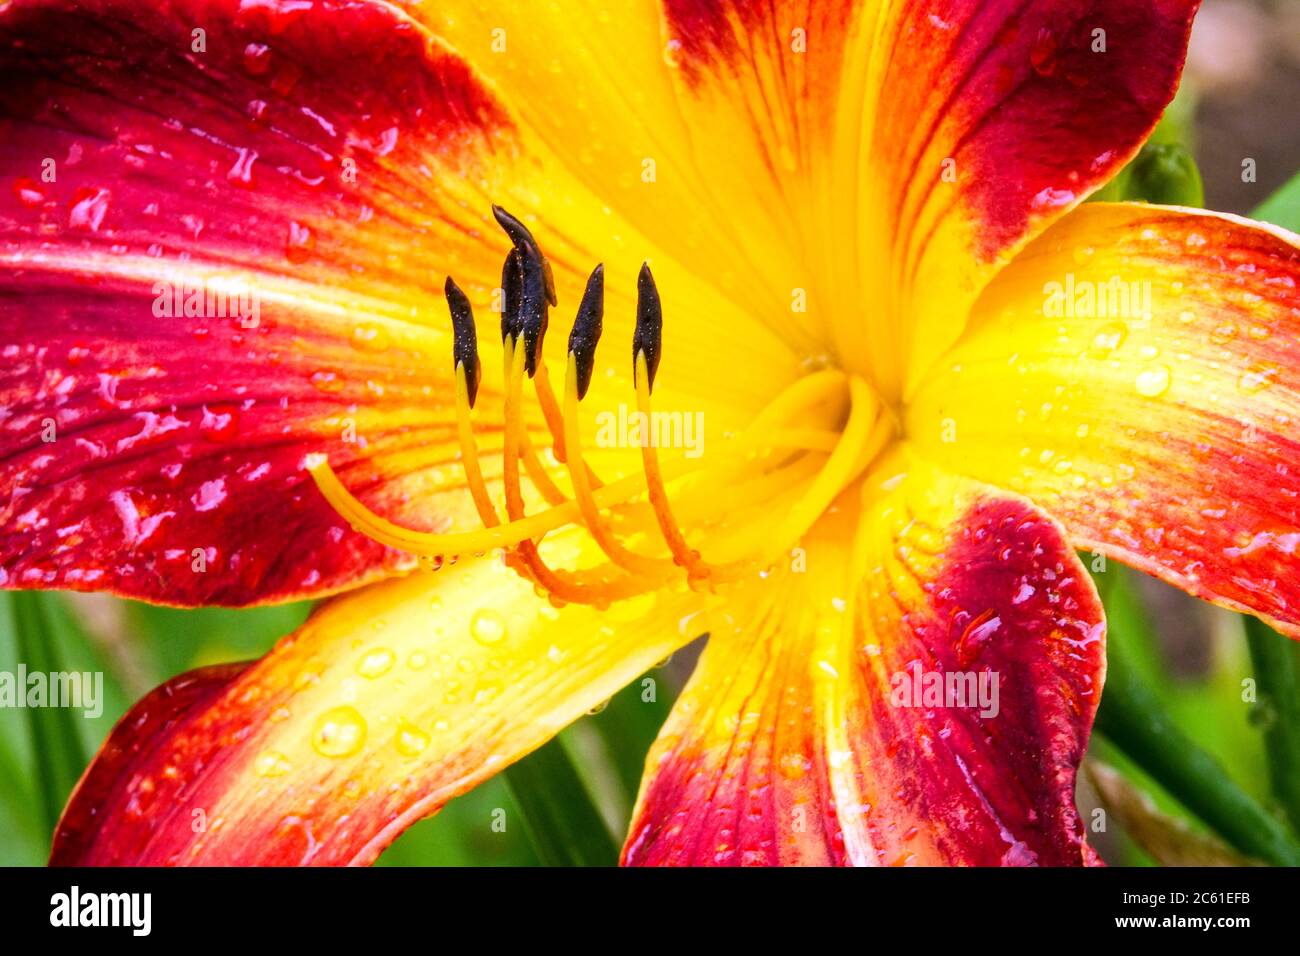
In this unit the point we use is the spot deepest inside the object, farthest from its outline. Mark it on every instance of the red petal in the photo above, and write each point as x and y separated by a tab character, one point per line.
800	740
151	440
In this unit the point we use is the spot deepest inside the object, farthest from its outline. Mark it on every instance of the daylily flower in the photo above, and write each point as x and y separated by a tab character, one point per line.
868	270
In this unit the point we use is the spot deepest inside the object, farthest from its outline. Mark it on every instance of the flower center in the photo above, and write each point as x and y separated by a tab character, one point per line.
803	449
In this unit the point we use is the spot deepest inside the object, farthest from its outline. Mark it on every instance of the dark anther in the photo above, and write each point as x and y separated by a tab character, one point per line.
525	243
465	344
512	281
536	289
649	325
534	313
587	328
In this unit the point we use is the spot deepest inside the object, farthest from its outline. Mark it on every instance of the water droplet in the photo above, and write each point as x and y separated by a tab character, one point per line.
339	732
598	708
1042	55
220	422
487	627
1153	382
27	192
377	663
1050	198
370	338
326	381
1257	378
300	244
257	59
1223	333
417	661
410	740
89	206
241	173
794	766
271	763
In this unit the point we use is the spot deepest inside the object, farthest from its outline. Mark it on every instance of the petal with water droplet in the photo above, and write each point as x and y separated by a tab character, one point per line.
939	720
356	759
1182	440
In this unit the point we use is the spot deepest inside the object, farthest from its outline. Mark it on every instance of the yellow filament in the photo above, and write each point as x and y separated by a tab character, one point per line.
582	587
696	567
805	465
537	472
596	524
432	544
487	513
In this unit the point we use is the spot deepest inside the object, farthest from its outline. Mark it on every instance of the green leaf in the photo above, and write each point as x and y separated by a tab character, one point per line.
56	745
472	830
1132	717
22	818
559	814
630	724
1277	680
1283	207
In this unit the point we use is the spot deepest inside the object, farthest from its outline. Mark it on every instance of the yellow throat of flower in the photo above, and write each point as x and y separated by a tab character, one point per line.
811	442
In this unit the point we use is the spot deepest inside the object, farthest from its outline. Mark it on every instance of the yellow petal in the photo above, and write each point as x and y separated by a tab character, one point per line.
1134	373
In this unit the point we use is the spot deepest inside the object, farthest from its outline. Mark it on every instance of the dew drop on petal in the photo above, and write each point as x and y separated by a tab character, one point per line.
1223	333
241	172
1153	382
27	192
1042	55
271	763
339	732
1108	338
220	422
487	627
257	59
377	663
1257	378
89	206
410	740
300	244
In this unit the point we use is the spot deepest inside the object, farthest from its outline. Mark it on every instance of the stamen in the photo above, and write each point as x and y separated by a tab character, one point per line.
512	281
586	331
487	513
591	516
777	455
537	472
523	241
648	337
465	338
570	588
536	289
